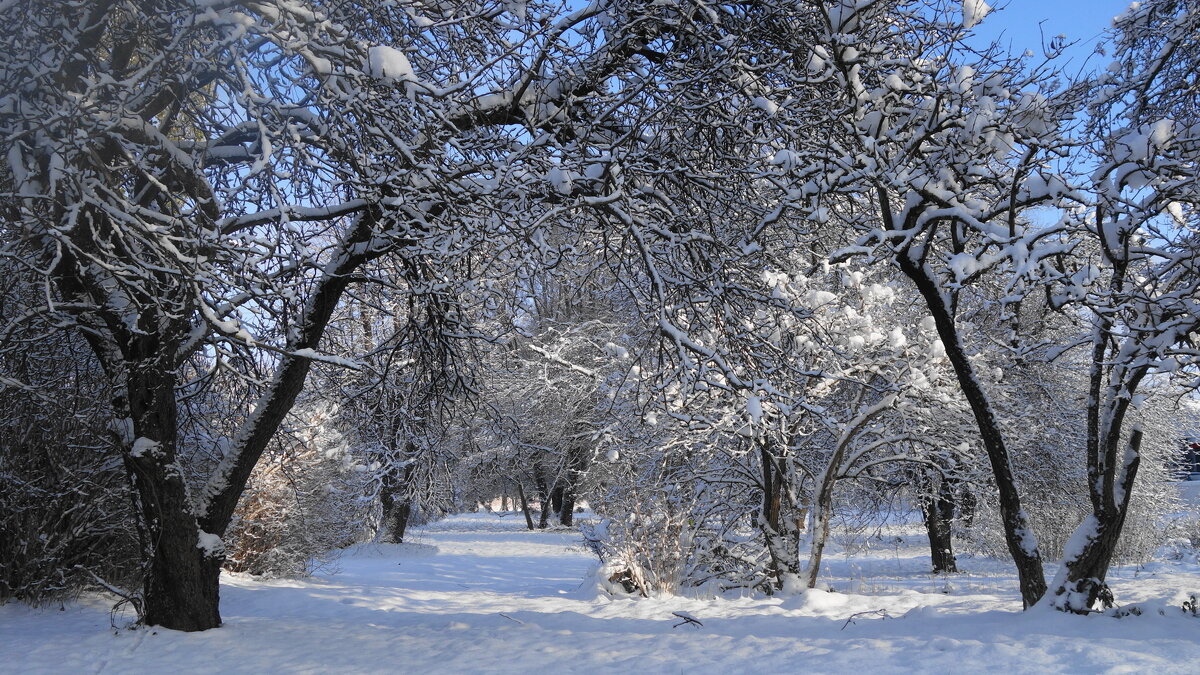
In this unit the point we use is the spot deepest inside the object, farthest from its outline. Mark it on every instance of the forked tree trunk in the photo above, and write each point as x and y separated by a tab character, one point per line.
1080	581
821	510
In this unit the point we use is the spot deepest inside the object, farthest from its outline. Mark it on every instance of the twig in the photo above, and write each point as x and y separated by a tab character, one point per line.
133	599
881	613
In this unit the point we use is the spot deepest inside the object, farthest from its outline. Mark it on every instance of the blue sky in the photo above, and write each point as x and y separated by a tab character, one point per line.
1082	20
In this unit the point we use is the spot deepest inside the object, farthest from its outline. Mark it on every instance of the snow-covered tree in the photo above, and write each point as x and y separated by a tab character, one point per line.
1137	282
195	180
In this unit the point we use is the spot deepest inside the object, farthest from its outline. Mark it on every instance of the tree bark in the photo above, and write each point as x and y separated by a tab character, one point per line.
778	546
939	512
394	496
575	470
181	587
400	518
556	499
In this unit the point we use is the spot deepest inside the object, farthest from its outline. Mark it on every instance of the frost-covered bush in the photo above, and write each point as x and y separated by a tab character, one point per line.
648	551
1055	519
1054	495
651	519
667	528
304	503
67	522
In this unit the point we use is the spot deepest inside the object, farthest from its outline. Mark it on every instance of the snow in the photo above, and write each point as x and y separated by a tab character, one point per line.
210	543
765	104
478	593
389	63
328	358
974	11
754	408
142	446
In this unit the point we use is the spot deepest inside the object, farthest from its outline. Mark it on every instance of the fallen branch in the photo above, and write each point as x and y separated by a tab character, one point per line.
687	619
881	613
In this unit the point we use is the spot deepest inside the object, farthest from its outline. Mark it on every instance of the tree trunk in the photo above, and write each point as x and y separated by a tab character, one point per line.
822	508
939	512
782	563
1018	534
400	521
567	515
556	499
181	588
524	506
1080	581
397	506
818	536
576	468
544	495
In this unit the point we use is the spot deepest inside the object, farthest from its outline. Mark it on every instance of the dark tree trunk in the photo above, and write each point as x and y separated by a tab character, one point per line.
400	518
1081	580
395	516
1018	533
556	499
769	519
544	496
939	512
567	515
181	588
525	506
576	468
397	507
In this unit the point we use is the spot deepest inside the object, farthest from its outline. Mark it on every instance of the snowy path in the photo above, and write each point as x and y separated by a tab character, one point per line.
493	597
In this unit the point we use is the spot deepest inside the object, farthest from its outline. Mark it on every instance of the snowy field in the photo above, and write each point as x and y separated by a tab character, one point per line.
479	593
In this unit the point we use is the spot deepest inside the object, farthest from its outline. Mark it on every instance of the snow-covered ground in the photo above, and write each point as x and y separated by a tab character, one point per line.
477	593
